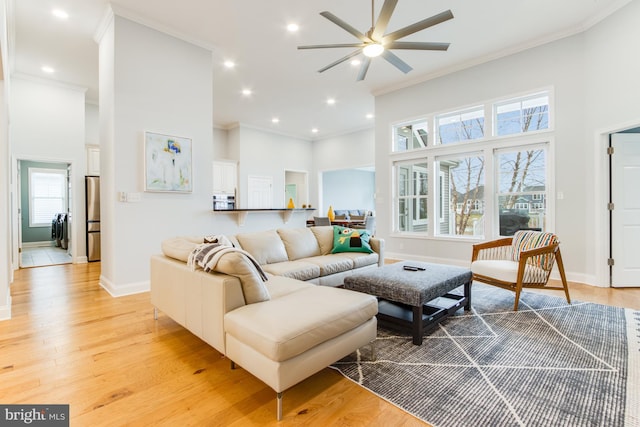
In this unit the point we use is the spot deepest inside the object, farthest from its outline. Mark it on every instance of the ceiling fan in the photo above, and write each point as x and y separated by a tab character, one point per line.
376	43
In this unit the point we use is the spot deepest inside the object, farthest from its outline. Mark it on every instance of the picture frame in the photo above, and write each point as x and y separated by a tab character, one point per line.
168	163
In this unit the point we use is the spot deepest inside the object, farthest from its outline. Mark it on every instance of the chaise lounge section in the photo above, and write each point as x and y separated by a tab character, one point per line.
298	330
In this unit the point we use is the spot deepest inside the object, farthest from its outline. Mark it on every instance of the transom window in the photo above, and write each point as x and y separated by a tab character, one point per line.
460	126
522	115
410	136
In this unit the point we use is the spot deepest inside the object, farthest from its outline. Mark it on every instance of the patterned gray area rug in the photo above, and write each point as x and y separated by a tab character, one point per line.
549	364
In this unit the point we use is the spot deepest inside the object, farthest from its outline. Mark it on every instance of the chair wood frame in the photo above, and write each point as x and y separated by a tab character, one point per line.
502	245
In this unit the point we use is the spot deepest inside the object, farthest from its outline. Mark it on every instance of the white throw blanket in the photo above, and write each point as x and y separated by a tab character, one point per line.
207	255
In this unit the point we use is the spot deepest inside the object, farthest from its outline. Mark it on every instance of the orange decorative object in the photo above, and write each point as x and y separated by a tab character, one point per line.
331	214
291	205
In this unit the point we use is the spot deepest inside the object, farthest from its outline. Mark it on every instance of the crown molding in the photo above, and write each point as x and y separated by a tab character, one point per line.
48	82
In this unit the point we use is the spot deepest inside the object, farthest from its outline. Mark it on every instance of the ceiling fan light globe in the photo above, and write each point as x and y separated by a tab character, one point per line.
373	50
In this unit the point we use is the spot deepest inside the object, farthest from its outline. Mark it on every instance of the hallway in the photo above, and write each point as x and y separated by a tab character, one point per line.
44	255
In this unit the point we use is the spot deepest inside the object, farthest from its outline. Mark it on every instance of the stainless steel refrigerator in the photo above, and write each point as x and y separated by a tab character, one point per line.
92	201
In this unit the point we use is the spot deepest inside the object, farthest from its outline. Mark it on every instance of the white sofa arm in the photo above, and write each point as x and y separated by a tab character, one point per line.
378	246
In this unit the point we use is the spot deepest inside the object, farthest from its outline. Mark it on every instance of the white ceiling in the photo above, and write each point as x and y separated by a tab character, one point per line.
284	80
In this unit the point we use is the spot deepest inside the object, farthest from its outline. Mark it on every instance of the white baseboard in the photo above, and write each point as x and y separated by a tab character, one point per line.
44	244
123	290
5	310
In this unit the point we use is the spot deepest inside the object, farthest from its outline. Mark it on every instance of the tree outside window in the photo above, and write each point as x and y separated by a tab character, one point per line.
521	180
465	194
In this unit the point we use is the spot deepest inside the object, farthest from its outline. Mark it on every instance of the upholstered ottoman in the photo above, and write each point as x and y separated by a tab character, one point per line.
419	297
287	339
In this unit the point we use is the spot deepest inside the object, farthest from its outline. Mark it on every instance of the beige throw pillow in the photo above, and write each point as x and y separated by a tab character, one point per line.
238	265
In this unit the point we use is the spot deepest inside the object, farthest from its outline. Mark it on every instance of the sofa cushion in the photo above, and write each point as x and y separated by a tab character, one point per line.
238	265
331	264
361	259
350	240
299	242
280	285
324	236
265	246
178	248
300	270
294	323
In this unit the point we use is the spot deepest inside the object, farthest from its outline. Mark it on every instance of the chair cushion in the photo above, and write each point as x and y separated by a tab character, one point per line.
504	270
294	323
526	240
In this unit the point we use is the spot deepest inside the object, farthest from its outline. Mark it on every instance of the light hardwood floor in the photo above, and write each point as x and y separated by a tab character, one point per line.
70	342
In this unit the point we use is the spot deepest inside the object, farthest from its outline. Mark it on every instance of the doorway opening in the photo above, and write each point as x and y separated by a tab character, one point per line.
44	219
624	208
296	188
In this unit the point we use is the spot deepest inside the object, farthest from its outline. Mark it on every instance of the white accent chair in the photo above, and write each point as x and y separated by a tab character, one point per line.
522	261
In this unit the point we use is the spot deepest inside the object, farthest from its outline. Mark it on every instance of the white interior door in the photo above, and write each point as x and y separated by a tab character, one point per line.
259	192
625	218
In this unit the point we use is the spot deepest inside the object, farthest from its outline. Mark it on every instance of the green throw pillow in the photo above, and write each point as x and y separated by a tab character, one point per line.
350	240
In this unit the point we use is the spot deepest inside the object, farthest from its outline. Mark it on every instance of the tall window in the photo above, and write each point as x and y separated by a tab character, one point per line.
47	195
521	181
460	126
411	200
485	180
464	194
522	115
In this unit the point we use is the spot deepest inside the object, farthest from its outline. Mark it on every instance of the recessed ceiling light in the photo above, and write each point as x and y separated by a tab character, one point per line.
292	28
60	14
229	64
314	130
275	120
369	116
246	92
355	62
331	101
47	69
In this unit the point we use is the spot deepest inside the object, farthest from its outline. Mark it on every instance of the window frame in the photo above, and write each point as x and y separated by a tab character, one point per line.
32	197
488	145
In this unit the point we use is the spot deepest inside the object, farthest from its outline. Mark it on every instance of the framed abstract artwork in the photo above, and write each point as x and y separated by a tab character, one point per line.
167	163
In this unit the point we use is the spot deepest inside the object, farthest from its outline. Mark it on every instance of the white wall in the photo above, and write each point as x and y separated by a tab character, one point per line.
220	144
590	91
267	154
91	124
47	124
5	167
149	81
349	151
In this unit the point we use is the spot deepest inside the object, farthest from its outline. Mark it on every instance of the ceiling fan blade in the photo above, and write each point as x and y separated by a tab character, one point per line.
397	62
383	19
418	26
364	68
340	61
348	28
324	46
418	45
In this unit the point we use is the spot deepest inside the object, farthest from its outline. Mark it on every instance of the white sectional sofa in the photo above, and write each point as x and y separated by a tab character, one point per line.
300	329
